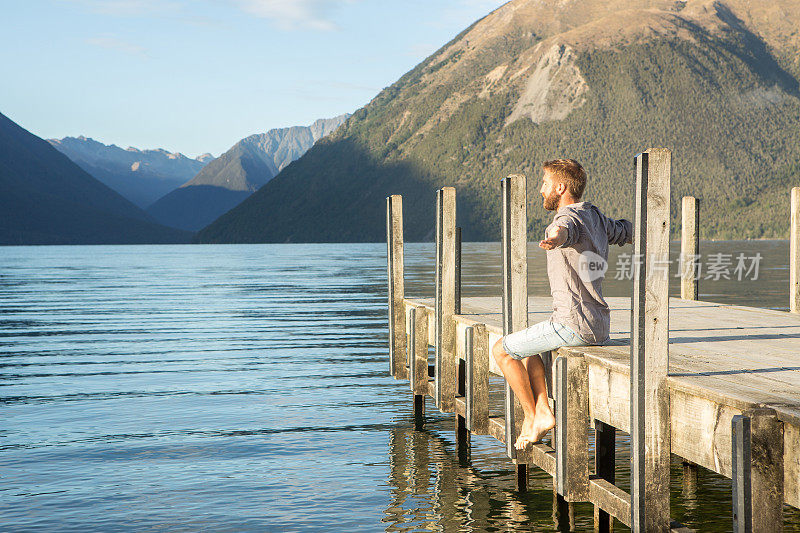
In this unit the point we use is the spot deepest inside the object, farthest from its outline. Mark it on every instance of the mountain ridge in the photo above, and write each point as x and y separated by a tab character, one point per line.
535	80
48	199
142	176
240	171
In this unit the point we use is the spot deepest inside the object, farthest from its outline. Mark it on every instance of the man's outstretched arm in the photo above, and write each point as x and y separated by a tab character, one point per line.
564	231
555	236
619	232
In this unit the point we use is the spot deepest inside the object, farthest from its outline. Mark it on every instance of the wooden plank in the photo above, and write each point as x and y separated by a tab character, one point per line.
572	427
741	459
461	336
497	428
544	457
702	431
477	341
394	244
611	498
690	246
460	406
794	252
650	433
515	287
609	396
445	375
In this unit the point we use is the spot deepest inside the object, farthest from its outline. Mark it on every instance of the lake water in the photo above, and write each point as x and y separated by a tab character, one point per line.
230	388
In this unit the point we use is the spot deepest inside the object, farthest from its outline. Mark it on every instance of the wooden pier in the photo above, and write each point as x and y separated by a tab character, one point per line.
715	385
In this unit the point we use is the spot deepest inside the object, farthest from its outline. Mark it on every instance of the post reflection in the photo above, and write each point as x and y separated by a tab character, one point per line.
431	491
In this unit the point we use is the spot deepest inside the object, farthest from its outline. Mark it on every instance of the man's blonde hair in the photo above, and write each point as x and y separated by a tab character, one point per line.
570	173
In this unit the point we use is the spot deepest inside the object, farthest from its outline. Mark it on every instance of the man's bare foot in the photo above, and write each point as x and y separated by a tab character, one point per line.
544	422
534	429
528	428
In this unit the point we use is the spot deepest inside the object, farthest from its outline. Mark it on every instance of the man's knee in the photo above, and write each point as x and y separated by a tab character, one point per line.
499	352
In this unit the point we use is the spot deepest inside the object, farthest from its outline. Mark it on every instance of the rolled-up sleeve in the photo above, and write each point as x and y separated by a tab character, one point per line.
572	227
619	231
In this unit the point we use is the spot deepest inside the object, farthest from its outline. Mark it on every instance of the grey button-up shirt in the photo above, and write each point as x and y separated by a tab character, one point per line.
577	268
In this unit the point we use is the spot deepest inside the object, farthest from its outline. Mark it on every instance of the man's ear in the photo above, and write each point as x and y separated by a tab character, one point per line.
561	188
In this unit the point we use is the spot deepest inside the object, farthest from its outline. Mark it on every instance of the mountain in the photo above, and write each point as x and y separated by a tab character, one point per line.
596	80
238	173
45	198
141	176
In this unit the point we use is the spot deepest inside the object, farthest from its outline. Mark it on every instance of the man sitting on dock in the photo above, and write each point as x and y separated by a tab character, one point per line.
577	243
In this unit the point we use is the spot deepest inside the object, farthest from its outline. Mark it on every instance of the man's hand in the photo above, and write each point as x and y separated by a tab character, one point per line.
554	238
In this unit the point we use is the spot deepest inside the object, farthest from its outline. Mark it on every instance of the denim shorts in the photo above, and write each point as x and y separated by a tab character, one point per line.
540	337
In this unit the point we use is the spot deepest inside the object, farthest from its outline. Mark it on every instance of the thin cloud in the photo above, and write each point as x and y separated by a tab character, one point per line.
112	43
296	14
128	8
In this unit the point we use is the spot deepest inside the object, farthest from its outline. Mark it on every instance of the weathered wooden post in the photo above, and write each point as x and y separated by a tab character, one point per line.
690	260
794	253
515	300
605	442
397	330
757	473
766	474
462	433
650	426
418	360
458	272
690	246
571	383
563	512
741	460
445	374
477	386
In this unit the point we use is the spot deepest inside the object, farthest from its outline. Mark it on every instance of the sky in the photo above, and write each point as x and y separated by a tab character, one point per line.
197	76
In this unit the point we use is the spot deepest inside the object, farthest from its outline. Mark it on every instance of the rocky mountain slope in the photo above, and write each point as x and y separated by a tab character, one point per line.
238	173
45	198
716	81
141	176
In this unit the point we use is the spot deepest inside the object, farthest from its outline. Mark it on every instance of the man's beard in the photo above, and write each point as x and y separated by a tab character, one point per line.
551	202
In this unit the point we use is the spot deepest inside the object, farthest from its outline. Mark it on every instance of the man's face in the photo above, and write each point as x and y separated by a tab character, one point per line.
549	192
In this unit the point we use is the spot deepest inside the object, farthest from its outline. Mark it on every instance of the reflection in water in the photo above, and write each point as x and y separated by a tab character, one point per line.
432	491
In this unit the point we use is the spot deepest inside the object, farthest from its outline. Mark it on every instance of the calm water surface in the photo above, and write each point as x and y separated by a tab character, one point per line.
230	388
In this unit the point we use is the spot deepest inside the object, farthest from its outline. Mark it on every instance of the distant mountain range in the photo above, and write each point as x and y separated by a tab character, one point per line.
45	198
141	176
716	81
237	173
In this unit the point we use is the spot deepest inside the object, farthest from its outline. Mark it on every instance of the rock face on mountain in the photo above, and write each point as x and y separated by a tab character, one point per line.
141	176
238	173
716	81
45	198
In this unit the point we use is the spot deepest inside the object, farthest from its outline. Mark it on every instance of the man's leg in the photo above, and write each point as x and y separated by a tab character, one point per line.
528	383
544	418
